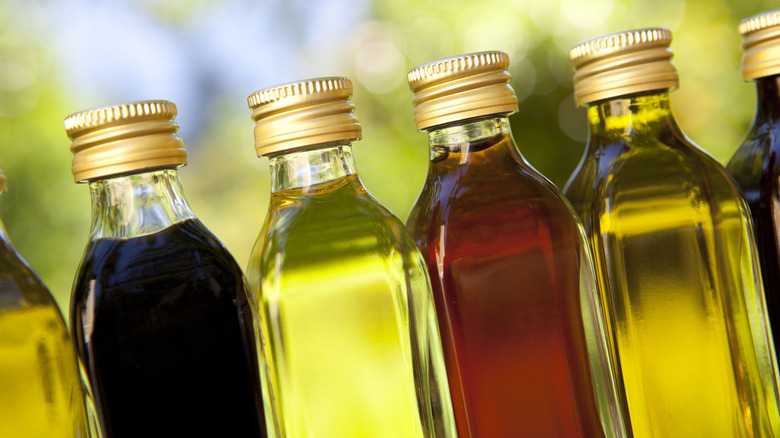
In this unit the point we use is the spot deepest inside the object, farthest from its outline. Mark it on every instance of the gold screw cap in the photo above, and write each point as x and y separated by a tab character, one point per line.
623	63
461	87
761	45
302	114
124	138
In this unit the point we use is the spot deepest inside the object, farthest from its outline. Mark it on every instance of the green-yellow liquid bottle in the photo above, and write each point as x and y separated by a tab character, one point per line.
673	243
351	346
40	389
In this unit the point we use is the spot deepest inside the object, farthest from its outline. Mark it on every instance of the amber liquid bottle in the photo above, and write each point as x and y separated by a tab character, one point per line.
755	164
40	389
673	245
159	311
510	267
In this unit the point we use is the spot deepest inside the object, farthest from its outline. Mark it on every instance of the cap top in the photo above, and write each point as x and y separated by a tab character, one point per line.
301	114
461	87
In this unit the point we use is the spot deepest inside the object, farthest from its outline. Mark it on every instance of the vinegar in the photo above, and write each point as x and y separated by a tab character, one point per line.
506	260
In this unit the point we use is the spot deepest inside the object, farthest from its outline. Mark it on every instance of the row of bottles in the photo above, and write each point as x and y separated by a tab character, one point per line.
631	306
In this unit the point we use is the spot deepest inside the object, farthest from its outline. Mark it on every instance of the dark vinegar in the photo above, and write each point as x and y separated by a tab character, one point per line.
756	169
164	332
504	256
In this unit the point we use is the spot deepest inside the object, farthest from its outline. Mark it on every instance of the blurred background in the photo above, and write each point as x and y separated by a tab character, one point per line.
59	57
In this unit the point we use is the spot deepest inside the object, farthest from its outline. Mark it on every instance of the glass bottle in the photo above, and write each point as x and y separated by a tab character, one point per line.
512	273
159	311
351	344
40	389
674	248
755	164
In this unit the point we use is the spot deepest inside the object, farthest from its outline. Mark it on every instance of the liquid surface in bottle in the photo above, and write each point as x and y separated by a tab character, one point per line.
756	169
343	327
505	258
39	383
163	329
671	235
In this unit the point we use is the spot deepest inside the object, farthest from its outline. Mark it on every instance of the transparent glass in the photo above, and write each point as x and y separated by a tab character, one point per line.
674	247
160	317
40	389
756	169
351	345
515	291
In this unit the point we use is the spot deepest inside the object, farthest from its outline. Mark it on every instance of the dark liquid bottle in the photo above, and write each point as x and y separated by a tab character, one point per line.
159	310
755	164
512	277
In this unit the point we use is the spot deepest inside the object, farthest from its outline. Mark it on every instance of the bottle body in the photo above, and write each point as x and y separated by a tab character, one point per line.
672	241
41	391
160	318
755	168
510	270
351	345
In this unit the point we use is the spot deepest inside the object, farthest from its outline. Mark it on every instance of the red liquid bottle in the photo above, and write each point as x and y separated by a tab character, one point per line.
512	274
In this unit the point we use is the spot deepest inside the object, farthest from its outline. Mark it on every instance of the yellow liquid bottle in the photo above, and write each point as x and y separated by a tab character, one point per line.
673	243
351	347
40	389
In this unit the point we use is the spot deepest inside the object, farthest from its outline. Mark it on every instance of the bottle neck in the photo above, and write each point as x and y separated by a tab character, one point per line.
632	117
310	167
136	205
468	140
768	106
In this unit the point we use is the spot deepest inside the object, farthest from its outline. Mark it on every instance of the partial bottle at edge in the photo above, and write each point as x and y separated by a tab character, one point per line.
40	389
755	164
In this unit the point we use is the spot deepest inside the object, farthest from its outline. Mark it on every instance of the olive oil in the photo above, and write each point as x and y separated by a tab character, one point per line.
40	394
40	389
337	312
672	239
350	341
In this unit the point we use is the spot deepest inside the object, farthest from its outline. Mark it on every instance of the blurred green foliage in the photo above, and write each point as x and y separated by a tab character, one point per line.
47	215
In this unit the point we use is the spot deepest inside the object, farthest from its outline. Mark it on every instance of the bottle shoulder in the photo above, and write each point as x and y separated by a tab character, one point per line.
343	221
667	166
755	163
184	252
508	205
19	284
